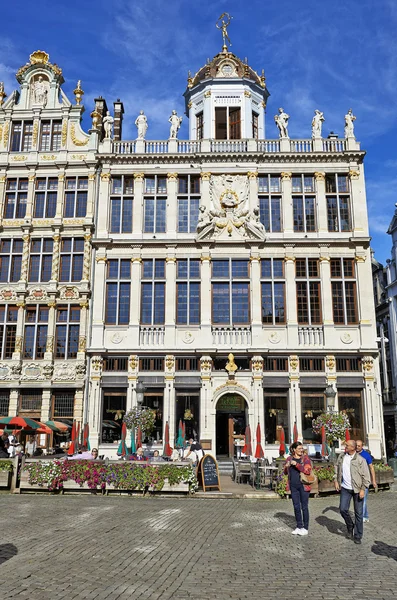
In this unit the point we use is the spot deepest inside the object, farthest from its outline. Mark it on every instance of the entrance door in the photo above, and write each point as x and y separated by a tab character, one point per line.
230	421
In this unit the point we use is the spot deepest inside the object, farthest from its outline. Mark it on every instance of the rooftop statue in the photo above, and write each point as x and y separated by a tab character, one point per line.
282	123
317	123
108	125
142	125
349	123
175	124
223	23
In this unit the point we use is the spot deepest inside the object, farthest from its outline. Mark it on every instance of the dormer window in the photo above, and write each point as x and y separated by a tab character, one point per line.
228	123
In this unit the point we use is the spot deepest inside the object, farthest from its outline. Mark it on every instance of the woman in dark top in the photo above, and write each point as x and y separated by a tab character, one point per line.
296	464
4	446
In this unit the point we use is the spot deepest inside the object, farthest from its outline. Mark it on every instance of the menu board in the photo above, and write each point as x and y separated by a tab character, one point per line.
207	473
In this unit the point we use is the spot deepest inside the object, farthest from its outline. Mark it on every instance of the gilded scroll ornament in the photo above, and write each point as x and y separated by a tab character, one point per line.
75	141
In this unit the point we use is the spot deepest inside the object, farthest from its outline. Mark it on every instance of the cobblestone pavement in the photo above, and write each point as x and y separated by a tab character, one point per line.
176	548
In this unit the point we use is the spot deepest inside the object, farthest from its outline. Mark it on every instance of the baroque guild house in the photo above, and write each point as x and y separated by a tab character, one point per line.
228	273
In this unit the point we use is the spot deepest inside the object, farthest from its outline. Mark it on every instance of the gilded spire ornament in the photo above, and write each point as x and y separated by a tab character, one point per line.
78	92
222	24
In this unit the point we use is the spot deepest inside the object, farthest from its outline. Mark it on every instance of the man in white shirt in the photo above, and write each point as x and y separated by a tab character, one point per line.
352	479
12	443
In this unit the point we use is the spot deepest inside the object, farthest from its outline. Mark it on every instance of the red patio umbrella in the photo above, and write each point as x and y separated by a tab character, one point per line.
123	438
282	447
167	447
139	438
259	450
78	436
295	432
72	446
347	435
86	442
324	451
247	448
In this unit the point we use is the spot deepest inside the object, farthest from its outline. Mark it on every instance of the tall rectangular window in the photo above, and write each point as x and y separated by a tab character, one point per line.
121	202
76	191
338	202
16	198
344	293
200	125
308	291
155	202
8	330
63	404
188	203
255	125
118	290
50	136
40	265
230	292
228	123
72	257
4	402
67	331
153	292
21	136
273	291
188	291
10	260
304	204
45	197
36	330
269	188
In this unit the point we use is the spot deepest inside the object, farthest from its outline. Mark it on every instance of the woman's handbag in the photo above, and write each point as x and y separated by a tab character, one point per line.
308	479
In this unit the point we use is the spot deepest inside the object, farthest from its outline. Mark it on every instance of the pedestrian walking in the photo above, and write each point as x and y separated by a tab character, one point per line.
352	479
368	458
298	467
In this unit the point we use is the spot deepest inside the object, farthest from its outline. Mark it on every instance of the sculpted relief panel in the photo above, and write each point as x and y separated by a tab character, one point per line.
229	214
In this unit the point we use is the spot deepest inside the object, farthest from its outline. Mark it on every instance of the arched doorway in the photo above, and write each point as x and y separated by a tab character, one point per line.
231	420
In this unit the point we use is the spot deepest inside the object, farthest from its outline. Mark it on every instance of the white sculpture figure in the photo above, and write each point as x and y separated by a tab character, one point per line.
40	91
349	123
282	123
175	124
141	124
108	125
317	123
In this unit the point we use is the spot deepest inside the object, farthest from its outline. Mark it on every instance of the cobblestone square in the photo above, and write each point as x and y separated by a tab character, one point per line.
87	546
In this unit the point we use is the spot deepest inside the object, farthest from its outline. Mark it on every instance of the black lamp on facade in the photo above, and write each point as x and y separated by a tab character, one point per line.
330	394
140	392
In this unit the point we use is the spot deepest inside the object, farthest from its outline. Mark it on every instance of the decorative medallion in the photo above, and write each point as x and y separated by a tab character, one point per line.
274	338
187	337
346	338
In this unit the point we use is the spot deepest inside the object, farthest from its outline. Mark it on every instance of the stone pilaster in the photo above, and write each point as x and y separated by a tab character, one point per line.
55	258
358	201
169	396
79	407
13	406
98	301
256	302
135	314
205	302
253	201
25	257
322	224
205	189
49	350
95	405
290	294
3	180
172	210
294	403
87	257
91	195
286	190
60	196
170	301
45	406
17	354
137	213
133	371
103	205
30	197
83	330
205	399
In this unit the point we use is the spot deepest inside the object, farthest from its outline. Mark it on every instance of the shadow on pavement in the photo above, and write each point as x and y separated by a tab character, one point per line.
334	509
382	549
286	518
7	551
335	527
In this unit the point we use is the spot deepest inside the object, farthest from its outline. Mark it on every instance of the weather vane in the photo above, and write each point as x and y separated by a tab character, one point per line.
223	23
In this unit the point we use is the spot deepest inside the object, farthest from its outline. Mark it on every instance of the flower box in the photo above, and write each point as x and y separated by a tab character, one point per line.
384	477
5	479
326	487
71	485
25	485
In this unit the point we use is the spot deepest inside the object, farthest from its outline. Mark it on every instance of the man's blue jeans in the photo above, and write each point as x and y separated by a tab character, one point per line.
365	507
345	499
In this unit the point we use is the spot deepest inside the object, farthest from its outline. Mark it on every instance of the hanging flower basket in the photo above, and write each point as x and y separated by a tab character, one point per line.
141	416
335	425
188	415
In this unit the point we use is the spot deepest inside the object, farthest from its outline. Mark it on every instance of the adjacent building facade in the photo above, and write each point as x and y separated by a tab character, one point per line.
227	273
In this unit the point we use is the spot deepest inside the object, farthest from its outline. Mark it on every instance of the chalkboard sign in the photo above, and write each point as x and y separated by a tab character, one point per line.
207	473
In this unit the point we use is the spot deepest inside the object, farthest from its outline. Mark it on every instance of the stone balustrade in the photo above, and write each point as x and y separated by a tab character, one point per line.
231	336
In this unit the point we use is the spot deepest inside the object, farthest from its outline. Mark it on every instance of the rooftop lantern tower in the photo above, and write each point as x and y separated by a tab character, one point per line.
226	98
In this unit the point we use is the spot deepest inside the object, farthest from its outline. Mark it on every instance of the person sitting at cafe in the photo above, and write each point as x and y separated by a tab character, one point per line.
4	445
138	455
156	457
195	451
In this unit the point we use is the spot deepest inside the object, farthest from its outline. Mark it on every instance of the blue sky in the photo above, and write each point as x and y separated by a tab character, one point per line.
325	54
